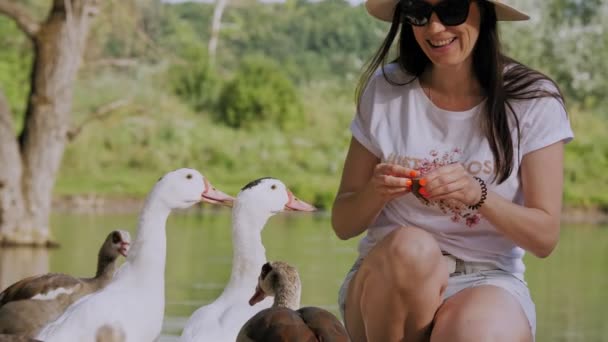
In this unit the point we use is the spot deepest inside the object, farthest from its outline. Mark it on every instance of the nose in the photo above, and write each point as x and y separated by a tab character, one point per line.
435	25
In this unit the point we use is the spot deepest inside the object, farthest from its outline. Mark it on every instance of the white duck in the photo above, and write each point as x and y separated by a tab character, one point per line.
254	205
136	296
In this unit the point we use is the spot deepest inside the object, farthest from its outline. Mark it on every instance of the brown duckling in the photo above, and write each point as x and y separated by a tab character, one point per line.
31	303
110	333
285	320
16	338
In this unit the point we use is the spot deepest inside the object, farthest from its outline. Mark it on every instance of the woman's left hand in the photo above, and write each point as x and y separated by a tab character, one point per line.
451	182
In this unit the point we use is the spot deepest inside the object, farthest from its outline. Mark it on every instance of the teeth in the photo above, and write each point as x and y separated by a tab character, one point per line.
440	43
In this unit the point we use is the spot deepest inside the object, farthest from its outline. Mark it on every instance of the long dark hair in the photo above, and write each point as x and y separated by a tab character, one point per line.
501	86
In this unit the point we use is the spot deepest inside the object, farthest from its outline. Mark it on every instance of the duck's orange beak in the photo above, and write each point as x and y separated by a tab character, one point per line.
258	296
295	204
215	196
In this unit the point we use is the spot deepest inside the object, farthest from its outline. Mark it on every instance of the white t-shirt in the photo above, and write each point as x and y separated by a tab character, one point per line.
401	121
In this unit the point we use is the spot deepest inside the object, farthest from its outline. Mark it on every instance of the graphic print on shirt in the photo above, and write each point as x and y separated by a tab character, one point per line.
458	211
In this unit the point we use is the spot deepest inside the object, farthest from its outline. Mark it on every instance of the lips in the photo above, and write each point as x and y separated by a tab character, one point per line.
436	43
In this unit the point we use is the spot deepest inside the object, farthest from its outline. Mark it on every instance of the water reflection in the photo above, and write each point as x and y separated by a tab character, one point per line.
17	263
568	288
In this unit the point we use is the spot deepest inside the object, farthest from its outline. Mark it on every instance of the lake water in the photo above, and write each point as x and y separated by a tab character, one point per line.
570	288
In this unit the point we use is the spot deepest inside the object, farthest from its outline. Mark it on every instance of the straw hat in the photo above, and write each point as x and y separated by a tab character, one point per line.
383	10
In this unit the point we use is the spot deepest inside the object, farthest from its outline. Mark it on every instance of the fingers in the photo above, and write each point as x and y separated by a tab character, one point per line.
393	181
455	190
450	182
396	170
390	180
446	185
395	191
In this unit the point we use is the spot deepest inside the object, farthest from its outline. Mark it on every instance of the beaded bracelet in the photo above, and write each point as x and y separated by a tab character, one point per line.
484	193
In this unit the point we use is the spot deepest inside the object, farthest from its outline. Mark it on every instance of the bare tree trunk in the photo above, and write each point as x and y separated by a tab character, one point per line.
11	200
59	44
216	25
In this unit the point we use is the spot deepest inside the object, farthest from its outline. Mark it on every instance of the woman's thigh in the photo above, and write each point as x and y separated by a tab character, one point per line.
482	313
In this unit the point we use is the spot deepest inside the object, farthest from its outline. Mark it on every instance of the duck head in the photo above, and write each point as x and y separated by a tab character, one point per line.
280	280
117	243
182	188
272	196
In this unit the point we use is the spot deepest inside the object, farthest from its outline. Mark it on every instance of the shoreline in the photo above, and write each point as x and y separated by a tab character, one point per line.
94	204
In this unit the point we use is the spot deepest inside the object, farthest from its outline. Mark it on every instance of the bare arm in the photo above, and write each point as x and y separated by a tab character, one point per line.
534	227
366	186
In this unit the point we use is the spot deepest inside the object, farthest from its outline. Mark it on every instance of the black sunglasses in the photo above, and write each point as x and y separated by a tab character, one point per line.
449	12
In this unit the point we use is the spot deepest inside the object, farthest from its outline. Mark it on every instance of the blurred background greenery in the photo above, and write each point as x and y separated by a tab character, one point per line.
278	98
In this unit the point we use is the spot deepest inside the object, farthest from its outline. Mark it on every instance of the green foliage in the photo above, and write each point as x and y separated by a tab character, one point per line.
15	64
193	80
312	54
566	39
586	162
126	152
310	40
259	93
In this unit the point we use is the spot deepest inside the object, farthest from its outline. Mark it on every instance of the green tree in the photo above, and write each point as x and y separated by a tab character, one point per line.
259	92
193	79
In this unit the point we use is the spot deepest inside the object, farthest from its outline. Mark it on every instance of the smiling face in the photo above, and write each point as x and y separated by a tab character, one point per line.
449	46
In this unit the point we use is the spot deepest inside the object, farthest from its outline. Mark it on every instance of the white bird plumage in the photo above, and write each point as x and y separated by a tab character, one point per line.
254	205
136	296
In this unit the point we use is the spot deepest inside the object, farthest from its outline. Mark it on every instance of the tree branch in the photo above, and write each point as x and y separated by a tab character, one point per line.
98	114
21	16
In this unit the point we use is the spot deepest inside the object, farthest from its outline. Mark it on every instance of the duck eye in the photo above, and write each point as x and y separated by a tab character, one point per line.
115	238
189	176
266	268
273	186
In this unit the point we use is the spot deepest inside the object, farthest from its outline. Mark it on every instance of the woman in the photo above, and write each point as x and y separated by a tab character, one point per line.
455	168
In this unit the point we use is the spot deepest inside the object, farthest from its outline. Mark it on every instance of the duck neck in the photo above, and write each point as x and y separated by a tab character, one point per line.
148	252
106	266
248	253
287	297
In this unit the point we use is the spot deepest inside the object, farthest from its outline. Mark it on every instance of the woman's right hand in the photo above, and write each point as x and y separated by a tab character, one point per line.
390	181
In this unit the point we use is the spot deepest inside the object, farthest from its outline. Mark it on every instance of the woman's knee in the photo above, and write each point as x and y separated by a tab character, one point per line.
407	255
410	249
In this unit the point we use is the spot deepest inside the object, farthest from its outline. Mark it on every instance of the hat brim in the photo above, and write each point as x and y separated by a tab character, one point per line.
384	9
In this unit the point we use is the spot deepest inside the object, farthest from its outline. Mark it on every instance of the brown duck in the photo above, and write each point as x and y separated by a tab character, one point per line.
29	304
16	338
285	321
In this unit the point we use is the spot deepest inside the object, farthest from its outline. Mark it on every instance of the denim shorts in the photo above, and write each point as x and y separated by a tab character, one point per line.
505	280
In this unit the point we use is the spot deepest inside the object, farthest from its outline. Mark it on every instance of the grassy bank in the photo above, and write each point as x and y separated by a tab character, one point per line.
123	153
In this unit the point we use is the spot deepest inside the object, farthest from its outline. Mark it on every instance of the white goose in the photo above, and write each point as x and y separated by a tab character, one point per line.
136	296
254	205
